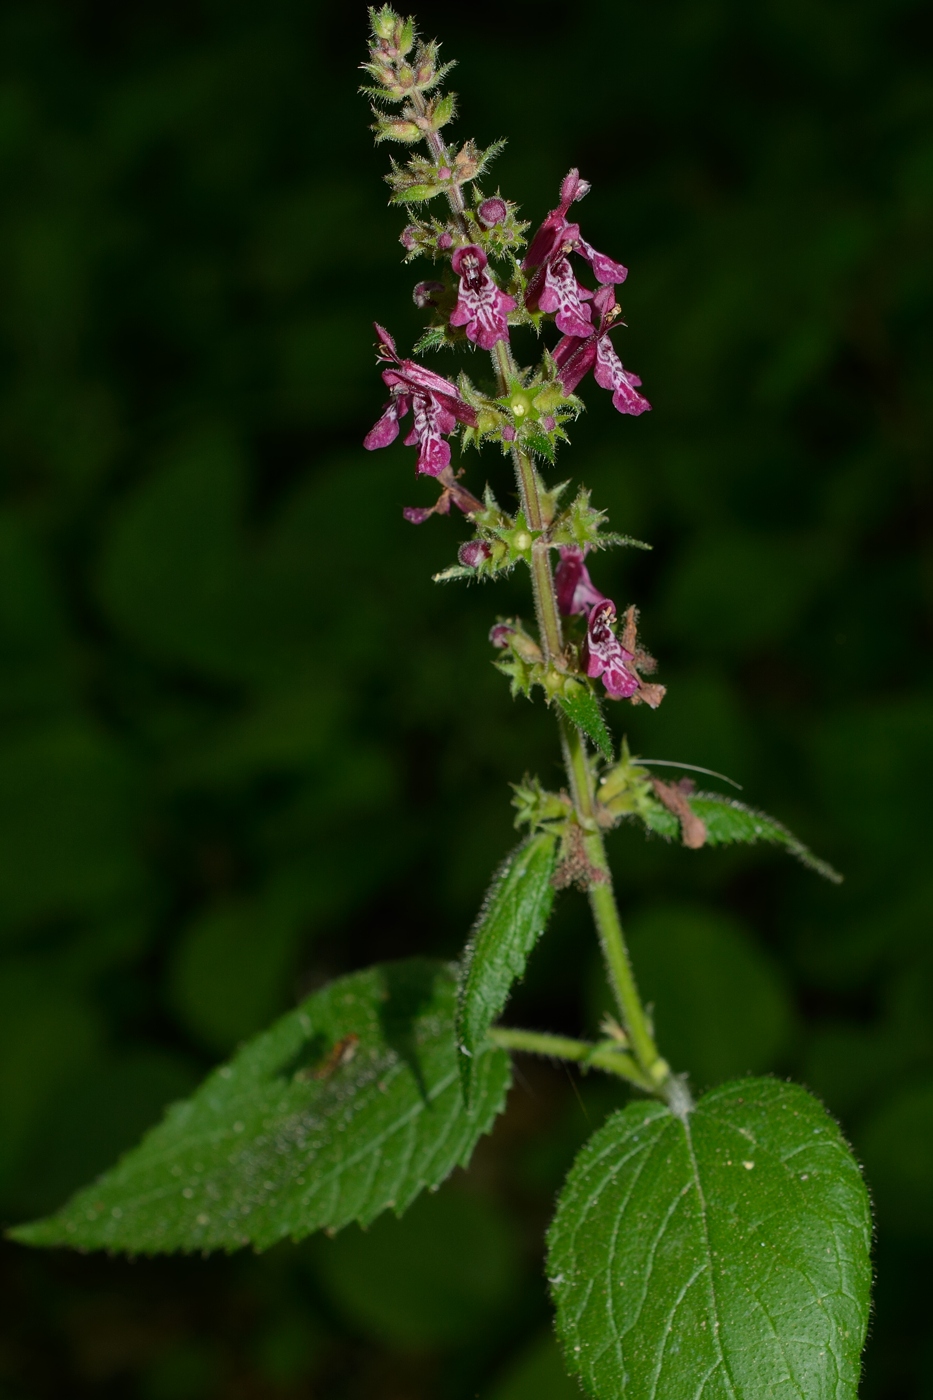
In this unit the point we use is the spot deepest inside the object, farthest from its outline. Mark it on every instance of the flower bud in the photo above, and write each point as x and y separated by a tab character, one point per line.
384	22
473	553
425	294
408	237
501	634
492	211
398	129
573	187
444	240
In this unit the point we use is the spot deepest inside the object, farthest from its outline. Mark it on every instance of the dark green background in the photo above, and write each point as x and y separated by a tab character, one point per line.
247	744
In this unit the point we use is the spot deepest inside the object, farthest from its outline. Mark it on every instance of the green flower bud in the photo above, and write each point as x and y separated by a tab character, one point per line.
383	22
397	129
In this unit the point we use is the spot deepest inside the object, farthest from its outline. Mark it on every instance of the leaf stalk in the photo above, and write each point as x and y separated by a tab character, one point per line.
605	1055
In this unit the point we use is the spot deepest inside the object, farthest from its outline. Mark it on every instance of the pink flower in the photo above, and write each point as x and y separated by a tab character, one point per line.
575	590
553	286
435	404
619	662
452	493
482	306
576	355
605	655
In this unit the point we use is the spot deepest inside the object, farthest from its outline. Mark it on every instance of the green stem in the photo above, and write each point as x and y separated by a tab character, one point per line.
607	1057
605	911
651	1071
542	579
438	148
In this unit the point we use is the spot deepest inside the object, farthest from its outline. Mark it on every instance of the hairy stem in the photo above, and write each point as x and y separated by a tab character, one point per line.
651	1071
438	148
542	578
605	911
605	1056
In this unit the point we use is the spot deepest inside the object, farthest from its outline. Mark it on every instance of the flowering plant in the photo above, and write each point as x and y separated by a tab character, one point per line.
715	1245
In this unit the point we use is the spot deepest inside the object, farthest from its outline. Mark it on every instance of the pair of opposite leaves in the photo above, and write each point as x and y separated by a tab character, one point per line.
724	1253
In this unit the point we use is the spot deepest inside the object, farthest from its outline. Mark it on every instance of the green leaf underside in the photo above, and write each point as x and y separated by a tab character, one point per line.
293	1135
724	1256
583	710
728	821
510	923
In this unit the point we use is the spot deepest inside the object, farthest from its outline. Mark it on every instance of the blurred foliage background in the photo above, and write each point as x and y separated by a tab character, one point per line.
246	743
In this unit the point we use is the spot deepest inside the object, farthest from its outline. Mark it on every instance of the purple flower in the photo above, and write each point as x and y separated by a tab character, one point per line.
576	355
575	589
435	405
605	655
452	493
553	286
617	661
481	305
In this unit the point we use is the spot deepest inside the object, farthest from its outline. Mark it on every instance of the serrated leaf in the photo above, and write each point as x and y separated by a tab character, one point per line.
728	821
723	1255
349	1105
540	443
511	921
582	709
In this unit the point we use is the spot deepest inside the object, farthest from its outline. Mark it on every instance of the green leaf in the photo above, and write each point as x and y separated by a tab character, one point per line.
724	1254
728	820
349	1105
582	709
510	923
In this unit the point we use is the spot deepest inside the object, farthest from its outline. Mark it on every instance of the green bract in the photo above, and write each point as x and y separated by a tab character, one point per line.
724	1254
348	1106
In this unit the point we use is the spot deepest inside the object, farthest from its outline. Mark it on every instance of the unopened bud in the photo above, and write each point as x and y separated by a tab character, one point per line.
384	22
573	187
492	211
408	238
473	553
445	240
501	635
425	293
397	129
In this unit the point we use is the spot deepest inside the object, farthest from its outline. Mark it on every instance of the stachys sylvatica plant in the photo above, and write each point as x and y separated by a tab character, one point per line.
715	1248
